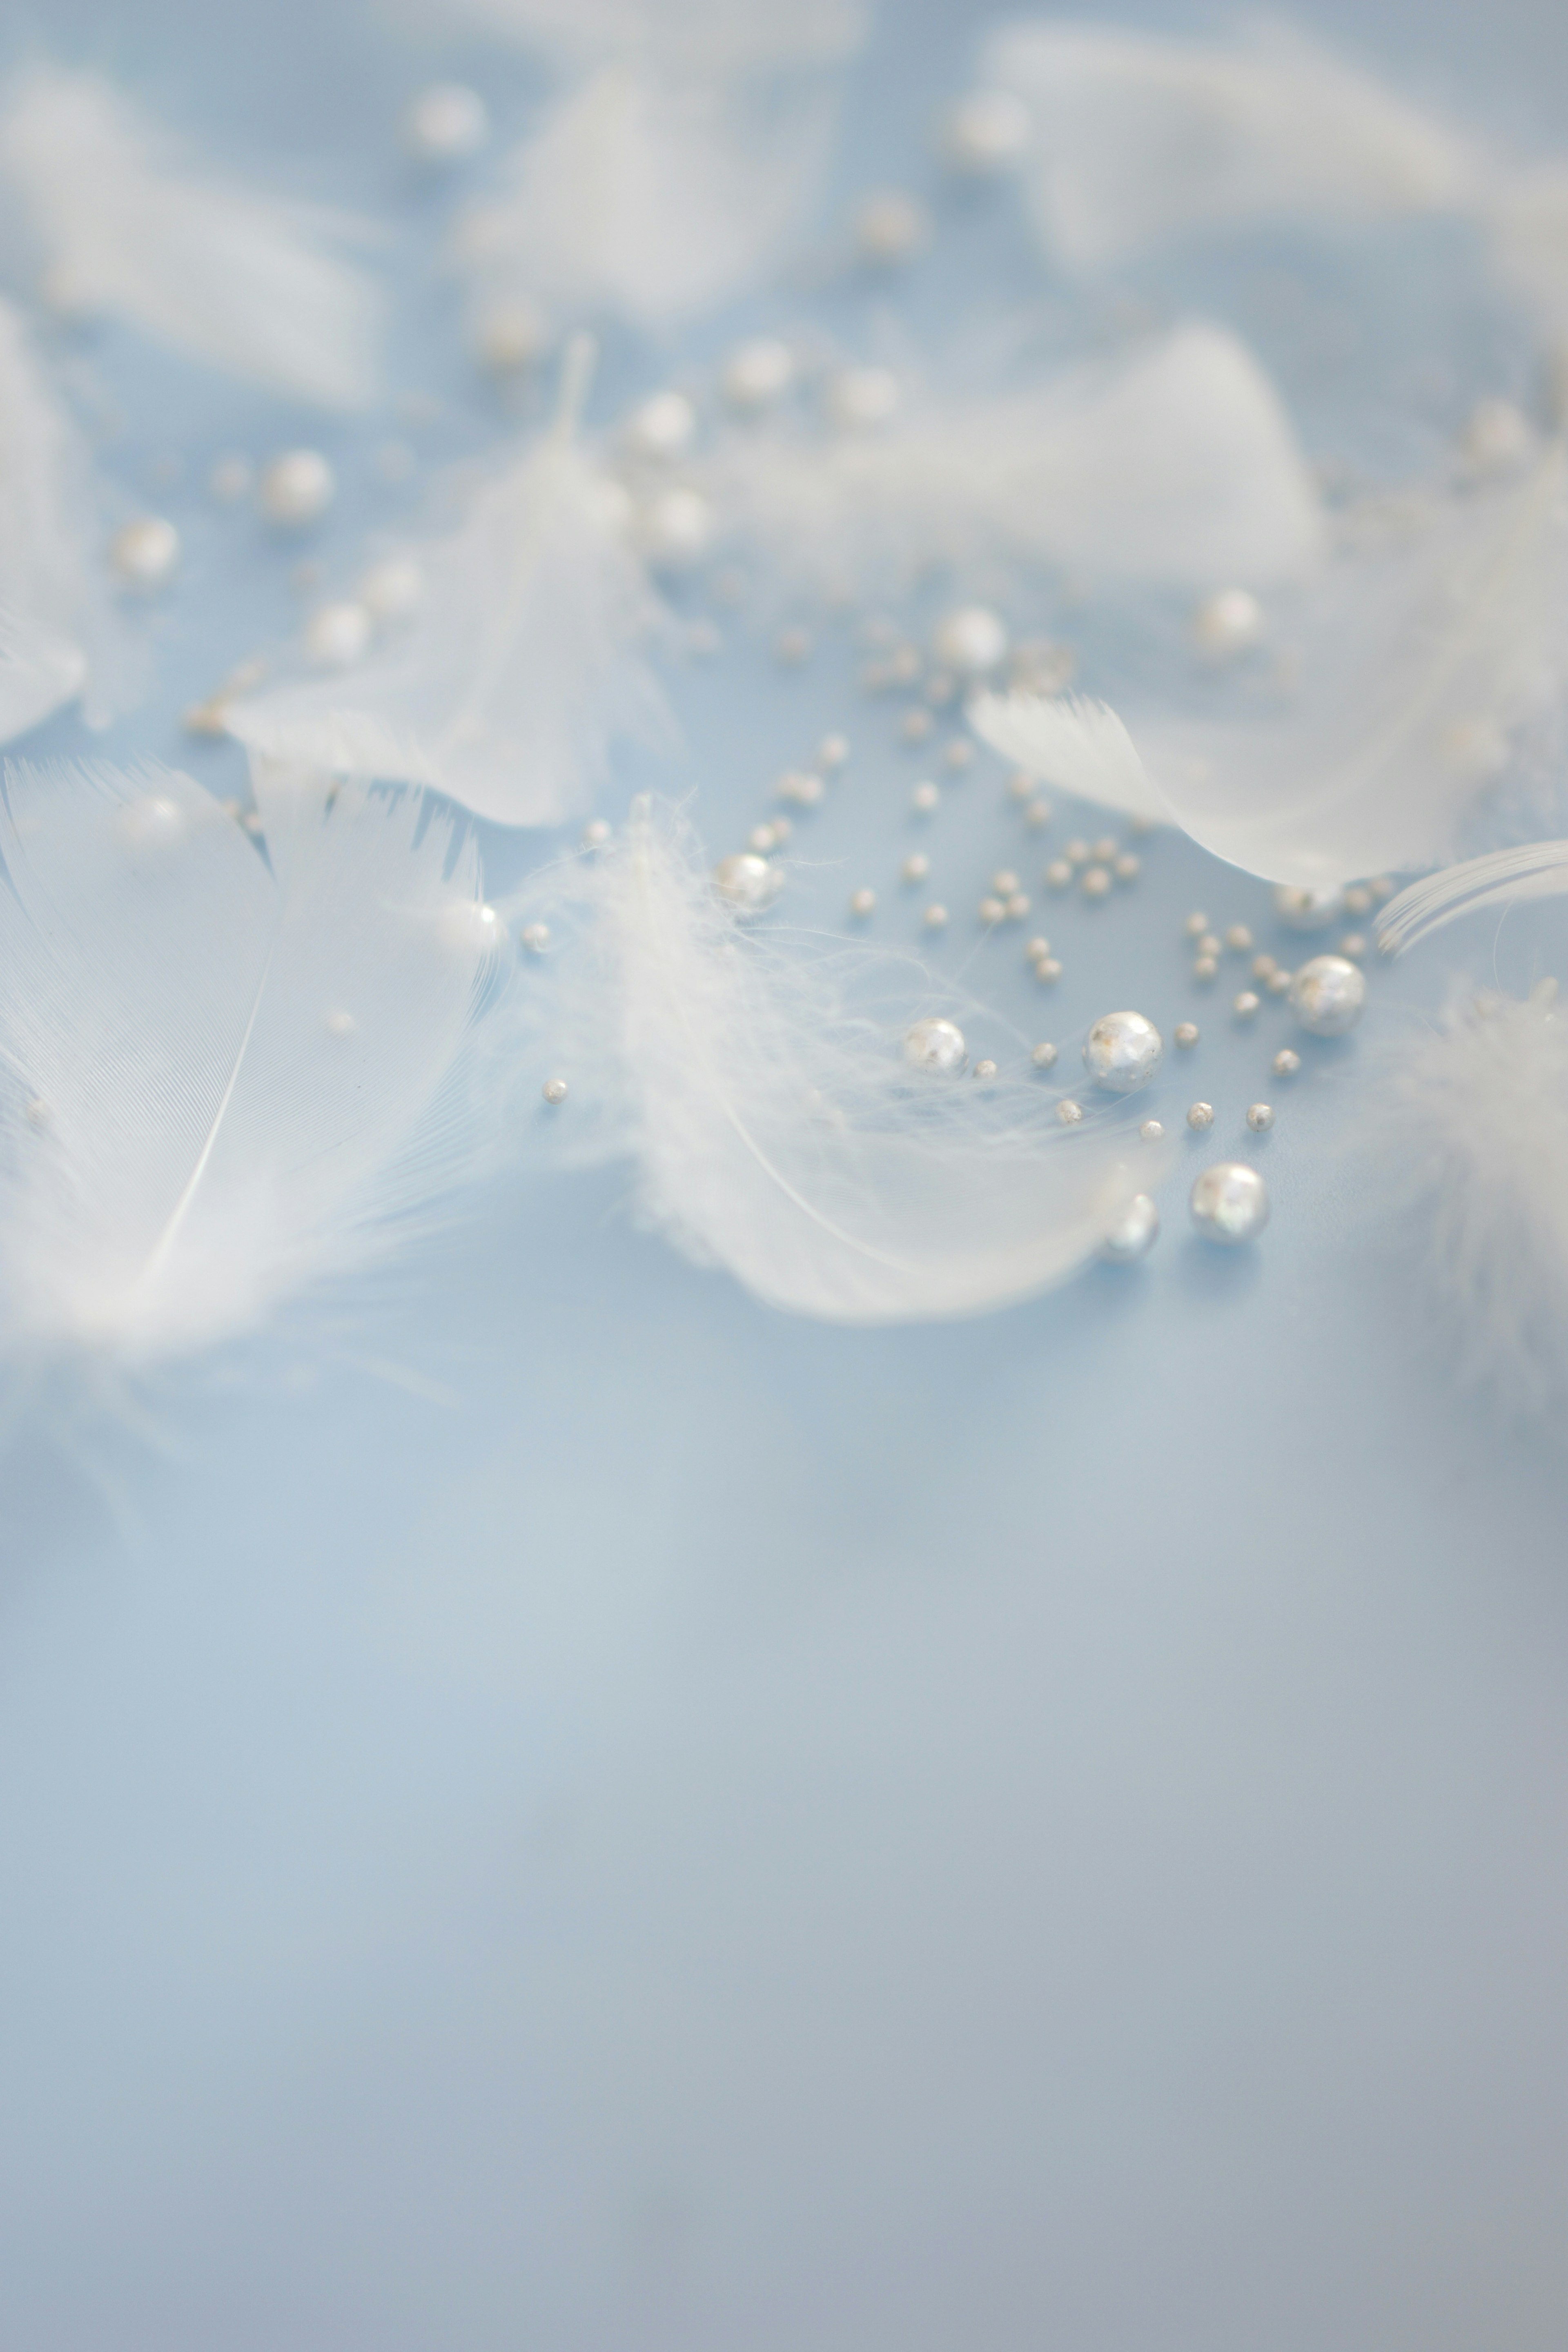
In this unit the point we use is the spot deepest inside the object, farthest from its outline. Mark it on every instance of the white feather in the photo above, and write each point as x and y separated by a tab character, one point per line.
218	1087
1177	465
1076	744
522	668
1139	138
716	40
127	228
774	1126
1506	878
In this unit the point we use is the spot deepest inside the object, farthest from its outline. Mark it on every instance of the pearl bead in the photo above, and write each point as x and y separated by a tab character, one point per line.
973	640
958	755
987	131
1354	945
916	725
1278	982
793	645
1185	1032
862	398
1358	899
1003	881
757	374
1069	1113
992	910
1230	1203
890	227
340	1024
936	1044
554	1091
802	789
1077	853
675	527
832	751
1260	1117
1205	968
535	937
1245	1005
1048	972
145	552
1058	875
1195	926
1264	967
924	798
985	1069
915	867
446	122
1038	814
1126	867
597	830
1104	850
935	918
1306	910
1328	995
1208	945
1200	1116
336	636
1018	906
297	487
1238	938
747	882
1153	1131
1096	882
1043	1057
1285	1062
1122	1051
510	334
1229	623
393	589
662	427
863	902
1135	1232
1036	949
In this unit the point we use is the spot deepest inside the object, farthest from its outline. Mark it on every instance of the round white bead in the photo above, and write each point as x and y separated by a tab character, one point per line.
987	131
1069	1113
1307	911
297	487
1205	968
554	1091
747	882
1229	623
757	373
1238	938
1122	1051
1245	1005
863	903
915	867
935	918
832	751
535	937
336	636
230	480
1096	882
862	397
446	122
675	527
1200	1116
1328	995
971	640
924	798
510	333
1135	1232
1185	1033
663	426
144	553
1230	1203
1260	1117
1049	971
1152	1131
1285	1062
890	227
985	1069
1044	1057
1058	875
936	1044
393	589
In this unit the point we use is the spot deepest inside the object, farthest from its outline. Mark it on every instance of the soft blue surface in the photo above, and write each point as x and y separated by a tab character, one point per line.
594	1818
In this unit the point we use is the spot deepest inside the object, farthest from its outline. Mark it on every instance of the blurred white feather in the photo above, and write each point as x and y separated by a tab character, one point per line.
1140	138
774	1125
1504	877
1175	465
521	667
1076	744
218	1086
124	226
1414	661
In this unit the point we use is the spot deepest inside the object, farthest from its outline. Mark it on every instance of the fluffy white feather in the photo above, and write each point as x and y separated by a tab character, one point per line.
774	1126
1139	138
1506	878
520	669
217	1085
124	226
1412	662
1176	465
1076	744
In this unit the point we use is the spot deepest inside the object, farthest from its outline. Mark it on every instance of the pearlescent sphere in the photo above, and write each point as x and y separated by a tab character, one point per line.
663	426
1260	1117
1328	995
144	553
756	373
393	588
890	227
1200	1116
676	529
936	1044
863	397
1135	1232
1307	911
1230	1203
747	882
554	1091
446	122
510	334
1122	1051
336	636
1229	623
973	640
987	131
297	487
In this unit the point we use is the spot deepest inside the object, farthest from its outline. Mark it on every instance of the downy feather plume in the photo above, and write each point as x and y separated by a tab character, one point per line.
1176	465
522	664
774	1126
59	634
220	1083
1412	665
1139	138
125	227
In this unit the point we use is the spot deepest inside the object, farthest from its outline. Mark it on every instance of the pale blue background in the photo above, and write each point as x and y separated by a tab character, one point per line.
724	1833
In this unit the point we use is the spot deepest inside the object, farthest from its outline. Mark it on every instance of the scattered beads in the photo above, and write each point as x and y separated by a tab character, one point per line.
1208	945
1123	1051
1153	1131
936	1044
992	910
1185	1032
915	867
1285	1062
1195	926
554	1091
1043	1057
1048	972
1264	967
833	751
1096	882
1353	944
958	755
1068	1112
916	725
1278	982
1358	899
535	937
1260	1117
1238	938
924	798
935	917
1229	623
985	1069
1245	1005
1229	1202
297	487
144	553
747	882
1127	867
973	640
1077	853
862	903
1205	968
1329	995
1058	875
662	426
1306	910
799	786
1200	1116
1018	904
1135	1232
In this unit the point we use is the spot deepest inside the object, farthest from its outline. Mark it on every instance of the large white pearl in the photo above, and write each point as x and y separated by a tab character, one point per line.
446	122
144	553
1135	1232
1230	1203
336	636
987	131
936	1044
1328	995
747	883
757	373
971	640
1307	911
1122	1051
297	487
663	428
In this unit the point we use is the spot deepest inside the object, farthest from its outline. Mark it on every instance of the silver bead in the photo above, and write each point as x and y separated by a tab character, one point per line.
747	882
1230	1203
1153	1131
1044	1057
1260	1117
1205	968
554	1090
1200	1116
1122	1051
1135	1232
1306	910
985	1069
1285	1062
1185	1033
1068	1112
936	1045
1328	995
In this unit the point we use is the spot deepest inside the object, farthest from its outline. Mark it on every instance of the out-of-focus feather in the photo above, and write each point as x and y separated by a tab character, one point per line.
123	226
522	666
1506	878
778	1131
1139	138
218	1087
1177	465
711	39
1069	742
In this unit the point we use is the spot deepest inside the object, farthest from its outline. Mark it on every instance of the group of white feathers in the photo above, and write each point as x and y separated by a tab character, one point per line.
238	1062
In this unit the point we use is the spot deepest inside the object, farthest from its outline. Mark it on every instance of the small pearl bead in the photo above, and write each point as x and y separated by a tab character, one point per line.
1068	1112
1286	1062
1153	1131
1208	945
1003	881
935	918
510	335
915	867
393	588
992	910
890	227
1185	1032
1264	967
1043	1057
145	552
336	636
1238	938
1354	945
1018	906
535	937
597	832
1126	867
746	882
1229	623
762	839
1260	1117
1205	968
757	374
1329	995
1135	1232
985	1069
1306	910
1230	1203
675	527
1036	949
802	789
554	1090
663	426
783	826
861	398
916	725
924	798
1077	853
1122	1051
297	487
1020	786
958	755
1104	850
1096	882
1245	1005
1058	875
1358	899
1381	888
832	751
987	131
936	1044
1048	972
863	903
340	1024
446	122
1278	982
230	480
1195	926
973	640
1038	815
1200	1116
